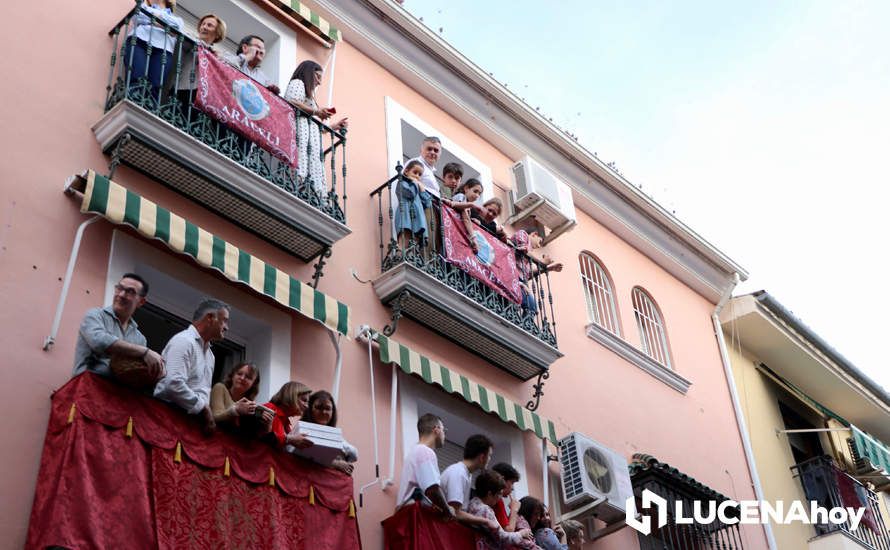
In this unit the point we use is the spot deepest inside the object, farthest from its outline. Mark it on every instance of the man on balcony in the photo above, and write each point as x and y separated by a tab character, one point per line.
111	330
420	470
430	150
189	361
457	479
251	51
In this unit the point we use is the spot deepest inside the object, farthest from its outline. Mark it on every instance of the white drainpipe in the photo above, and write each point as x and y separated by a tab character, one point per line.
740	418
66	282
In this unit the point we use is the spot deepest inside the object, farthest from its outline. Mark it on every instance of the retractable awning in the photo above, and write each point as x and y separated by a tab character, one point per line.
872	450
122	206
432	372
312	20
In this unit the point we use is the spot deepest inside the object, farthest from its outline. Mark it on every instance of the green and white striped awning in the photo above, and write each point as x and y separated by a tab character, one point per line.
871	449
315	23
431	372
122	206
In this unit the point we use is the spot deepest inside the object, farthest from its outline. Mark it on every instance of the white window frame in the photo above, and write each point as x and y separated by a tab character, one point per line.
243	18
461	419
651	327
597	287
264	329
395	114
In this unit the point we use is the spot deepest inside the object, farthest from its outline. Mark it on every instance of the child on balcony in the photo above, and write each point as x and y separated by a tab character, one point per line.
410	221
530	266
464	201
291	400
322	410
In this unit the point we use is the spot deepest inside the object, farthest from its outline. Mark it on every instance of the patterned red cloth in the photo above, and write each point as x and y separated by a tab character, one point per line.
494	264
417	527
242	104
99	488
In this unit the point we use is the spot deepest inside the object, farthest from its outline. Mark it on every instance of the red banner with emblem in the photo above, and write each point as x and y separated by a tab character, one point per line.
242	104
494	264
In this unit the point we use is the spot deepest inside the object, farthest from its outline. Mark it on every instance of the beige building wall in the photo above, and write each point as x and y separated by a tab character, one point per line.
759	398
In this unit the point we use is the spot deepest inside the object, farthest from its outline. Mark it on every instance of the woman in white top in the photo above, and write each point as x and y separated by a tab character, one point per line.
150	30
301	93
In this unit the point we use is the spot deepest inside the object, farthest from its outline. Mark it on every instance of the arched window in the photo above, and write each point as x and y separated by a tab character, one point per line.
598	294
653	338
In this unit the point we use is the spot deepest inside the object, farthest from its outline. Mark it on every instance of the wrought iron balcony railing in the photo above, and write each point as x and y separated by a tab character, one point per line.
181	164
831	487
433	291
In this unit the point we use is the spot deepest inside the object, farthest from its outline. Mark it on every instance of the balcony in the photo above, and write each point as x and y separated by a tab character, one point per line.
161	133
121	470
831	487
417	281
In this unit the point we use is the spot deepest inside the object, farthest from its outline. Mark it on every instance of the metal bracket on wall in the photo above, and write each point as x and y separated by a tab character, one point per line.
116	153
532	405
319	267
390	329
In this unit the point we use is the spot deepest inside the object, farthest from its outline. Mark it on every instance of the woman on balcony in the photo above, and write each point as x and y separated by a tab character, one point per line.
291	400
300	93
211	30
322	410
151	24
232	401
489	486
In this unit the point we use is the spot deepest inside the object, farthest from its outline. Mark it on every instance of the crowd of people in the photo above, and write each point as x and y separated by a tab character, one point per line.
150	51
419	194
110	344
480	497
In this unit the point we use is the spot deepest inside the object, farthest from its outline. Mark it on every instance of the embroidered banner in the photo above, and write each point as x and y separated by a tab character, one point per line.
494	265
239	102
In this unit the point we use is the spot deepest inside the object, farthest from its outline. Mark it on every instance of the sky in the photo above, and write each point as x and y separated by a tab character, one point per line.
764	126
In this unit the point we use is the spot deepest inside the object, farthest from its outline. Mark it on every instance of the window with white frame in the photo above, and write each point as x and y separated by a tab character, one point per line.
653	338
461	420
258	332
243	18
405	132
598	294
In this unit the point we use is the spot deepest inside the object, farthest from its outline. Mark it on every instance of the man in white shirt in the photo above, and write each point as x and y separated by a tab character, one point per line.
189	361
430	150
420	471
457	479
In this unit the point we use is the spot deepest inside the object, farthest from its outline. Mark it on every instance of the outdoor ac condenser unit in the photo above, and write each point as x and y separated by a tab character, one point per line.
592	472
538	192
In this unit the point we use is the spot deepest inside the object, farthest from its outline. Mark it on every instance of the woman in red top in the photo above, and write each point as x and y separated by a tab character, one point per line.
291	400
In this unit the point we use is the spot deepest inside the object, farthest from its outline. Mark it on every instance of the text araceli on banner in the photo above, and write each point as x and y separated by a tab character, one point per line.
242	104
494	264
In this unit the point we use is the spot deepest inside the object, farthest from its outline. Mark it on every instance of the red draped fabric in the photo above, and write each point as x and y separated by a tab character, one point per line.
417	527
123	470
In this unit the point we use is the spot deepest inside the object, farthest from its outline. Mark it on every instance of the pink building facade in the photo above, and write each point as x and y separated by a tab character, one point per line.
635	364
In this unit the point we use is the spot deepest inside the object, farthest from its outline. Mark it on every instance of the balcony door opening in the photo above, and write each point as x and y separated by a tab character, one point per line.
461	420
159	325
806	445
404	135
258	332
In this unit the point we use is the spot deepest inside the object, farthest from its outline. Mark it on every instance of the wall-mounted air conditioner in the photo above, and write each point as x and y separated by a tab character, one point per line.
537	192
595	479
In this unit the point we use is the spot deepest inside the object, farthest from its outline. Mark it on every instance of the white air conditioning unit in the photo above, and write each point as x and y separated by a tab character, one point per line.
539	193
594	478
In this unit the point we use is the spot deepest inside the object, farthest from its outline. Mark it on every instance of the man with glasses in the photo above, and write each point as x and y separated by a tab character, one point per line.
111	330
420	471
